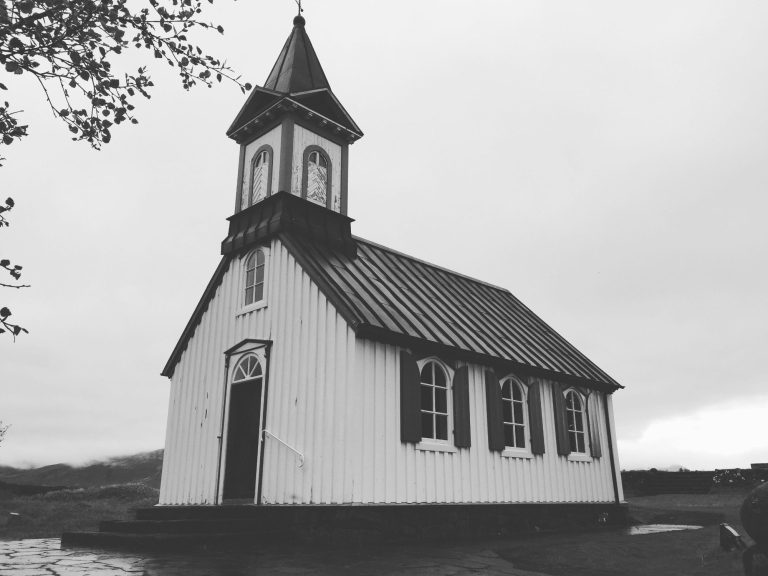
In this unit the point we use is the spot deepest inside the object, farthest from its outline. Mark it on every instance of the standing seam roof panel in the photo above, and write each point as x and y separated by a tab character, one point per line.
403	295
399	304
482	347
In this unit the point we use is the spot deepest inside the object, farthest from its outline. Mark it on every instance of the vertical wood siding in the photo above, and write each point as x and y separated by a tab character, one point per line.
311	363
337	400
303	138
386	470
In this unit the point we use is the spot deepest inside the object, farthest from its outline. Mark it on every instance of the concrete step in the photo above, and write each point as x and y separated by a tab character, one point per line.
250	525
162	542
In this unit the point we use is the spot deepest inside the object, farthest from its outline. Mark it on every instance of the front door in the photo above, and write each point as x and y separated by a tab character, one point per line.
243	429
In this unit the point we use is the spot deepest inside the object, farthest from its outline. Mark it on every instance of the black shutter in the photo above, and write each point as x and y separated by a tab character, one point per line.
595	447
561	421
410	399
461	433
535	420
495	415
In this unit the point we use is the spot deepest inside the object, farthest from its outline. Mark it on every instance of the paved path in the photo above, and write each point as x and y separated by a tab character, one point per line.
45	558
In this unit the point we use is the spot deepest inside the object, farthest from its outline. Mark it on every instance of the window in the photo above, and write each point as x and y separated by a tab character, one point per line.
434	402
259	186
248	368
259	177
574	411
513	413
254	277
316	186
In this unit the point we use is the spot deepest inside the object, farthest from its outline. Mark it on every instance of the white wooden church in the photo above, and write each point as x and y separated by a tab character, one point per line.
320	368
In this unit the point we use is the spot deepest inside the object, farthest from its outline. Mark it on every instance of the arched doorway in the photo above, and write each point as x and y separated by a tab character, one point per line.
243	429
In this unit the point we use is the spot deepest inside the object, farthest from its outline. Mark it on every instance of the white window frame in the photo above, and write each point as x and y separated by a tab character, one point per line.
513	451
434	444
573	455
265	172
322	157
243	275
238	357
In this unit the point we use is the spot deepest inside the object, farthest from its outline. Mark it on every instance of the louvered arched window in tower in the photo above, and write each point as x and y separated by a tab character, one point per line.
258	185
317	176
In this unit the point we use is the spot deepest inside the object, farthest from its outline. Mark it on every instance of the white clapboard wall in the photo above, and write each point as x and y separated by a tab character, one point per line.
335	398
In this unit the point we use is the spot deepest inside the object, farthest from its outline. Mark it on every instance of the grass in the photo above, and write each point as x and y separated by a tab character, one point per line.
695	552
48	515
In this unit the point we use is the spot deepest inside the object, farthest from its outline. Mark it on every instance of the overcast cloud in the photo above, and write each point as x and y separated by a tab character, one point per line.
605	161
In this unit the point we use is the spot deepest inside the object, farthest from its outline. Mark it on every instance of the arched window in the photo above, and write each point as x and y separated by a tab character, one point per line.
254	277
513	411
434	402
574	411
249	368
260	183
316	185
259	177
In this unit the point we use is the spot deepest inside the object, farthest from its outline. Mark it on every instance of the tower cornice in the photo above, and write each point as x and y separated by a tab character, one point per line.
287	105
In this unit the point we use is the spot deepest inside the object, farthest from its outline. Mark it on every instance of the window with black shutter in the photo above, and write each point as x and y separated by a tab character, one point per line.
494	412
434	404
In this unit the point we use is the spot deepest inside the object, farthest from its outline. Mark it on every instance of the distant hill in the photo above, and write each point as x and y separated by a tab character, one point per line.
144	468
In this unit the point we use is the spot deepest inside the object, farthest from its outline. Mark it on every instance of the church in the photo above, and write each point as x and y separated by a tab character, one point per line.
323	369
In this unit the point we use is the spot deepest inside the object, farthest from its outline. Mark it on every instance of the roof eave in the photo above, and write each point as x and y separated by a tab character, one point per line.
335	100
380	334
254	92
286	105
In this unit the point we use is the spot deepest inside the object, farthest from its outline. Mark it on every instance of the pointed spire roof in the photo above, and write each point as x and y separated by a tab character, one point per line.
297	68
296	84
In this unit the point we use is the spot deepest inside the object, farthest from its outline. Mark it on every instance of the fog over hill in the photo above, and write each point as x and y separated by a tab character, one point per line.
144	467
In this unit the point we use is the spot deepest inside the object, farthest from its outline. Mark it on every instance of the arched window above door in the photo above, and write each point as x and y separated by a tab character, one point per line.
248	368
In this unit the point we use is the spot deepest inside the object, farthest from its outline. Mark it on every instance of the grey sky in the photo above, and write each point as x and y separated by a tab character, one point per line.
605	161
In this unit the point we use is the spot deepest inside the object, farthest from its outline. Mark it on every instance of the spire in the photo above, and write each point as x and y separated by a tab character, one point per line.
296	84
297	69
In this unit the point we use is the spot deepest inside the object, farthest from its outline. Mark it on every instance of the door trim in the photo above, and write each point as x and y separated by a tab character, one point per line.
243	347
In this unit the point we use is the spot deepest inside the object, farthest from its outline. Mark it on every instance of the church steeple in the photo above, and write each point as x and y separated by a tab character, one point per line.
293	132
297	68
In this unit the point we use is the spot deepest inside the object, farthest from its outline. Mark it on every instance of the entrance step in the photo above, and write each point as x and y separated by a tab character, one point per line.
249	526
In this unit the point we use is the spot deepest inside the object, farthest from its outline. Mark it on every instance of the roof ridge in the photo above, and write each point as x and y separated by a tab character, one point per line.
431	265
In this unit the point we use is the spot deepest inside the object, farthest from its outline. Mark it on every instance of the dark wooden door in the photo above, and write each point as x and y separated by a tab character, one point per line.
243	440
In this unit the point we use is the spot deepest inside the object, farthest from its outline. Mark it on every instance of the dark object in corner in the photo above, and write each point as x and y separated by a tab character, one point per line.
754	518
730	539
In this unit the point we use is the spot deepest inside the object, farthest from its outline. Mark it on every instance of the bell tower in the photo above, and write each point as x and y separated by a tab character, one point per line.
293	132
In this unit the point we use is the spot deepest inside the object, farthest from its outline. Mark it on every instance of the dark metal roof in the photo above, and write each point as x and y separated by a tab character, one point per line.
296	84
382	293
298	68
388	296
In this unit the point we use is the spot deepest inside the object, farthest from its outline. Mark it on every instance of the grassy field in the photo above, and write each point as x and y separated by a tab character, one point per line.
48	515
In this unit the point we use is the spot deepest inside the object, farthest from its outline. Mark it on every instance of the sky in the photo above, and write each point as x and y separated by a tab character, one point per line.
605	161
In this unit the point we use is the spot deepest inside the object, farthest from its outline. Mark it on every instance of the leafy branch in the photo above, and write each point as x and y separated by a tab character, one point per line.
15	271
69	46
7	326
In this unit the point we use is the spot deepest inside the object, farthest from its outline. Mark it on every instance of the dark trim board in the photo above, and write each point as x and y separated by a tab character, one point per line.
344	524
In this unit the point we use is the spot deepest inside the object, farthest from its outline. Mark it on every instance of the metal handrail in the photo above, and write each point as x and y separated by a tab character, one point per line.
266	433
